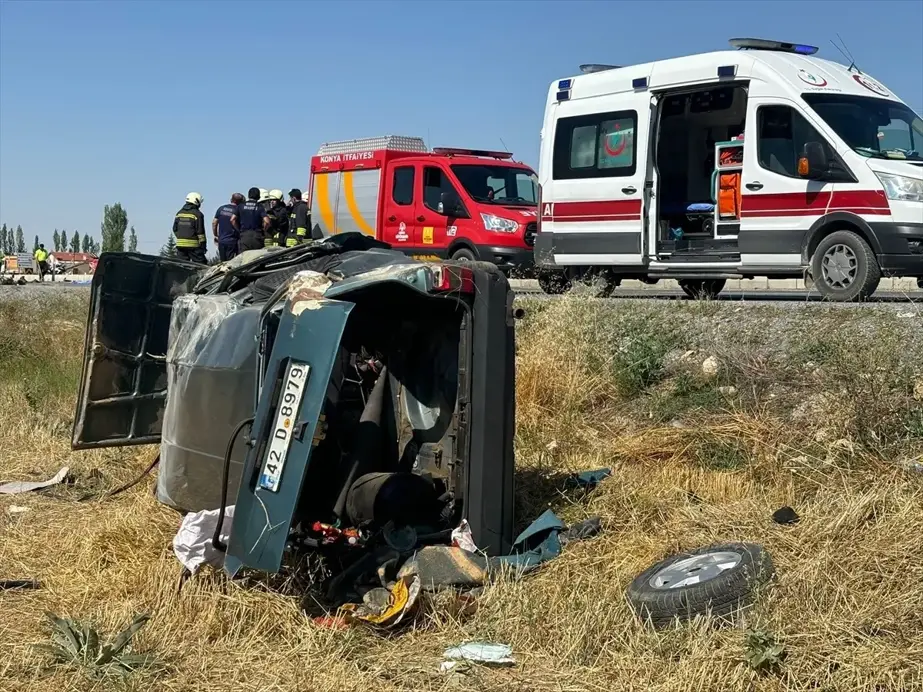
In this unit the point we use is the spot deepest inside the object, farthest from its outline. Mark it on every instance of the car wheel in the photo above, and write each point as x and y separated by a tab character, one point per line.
702	289
463	254
844	267
920	282
604	281
720	579
553	283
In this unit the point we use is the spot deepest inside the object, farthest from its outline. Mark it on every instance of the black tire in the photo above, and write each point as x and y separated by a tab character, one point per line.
554	283
702	289
723	594
920	282
604	280
845	268
463	254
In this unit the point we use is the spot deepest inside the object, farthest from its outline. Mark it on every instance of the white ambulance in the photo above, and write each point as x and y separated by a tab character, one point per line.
759	161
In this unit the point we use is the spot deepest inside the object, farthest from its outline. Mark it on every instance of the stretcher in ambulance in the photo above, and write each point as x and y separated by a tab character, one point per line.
461	204
761	161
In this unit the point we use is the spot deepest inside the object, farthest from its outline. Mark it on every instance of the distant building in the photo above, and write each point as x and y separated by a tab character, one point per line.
73	262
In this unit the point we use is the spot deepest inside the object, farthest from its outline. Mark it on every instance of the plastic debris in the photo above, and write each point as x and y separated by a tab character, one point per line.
18	509
384	608
16	584
589	479
462	537
786	516
17	487
485	653
192	544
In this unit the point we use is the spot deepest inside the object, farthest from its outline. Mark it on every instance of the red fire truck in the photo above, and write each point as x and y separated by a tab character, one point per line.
462	204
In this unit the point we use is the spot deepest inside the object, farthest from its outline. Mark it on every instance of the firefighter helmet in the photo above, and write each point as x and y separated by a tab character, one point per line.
194	198
264	194
276	195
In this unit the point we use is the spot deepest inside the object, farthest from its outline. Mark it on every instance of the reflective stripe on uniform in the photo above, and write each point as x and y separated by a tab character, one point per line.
185	216
302	232
291	242
187	242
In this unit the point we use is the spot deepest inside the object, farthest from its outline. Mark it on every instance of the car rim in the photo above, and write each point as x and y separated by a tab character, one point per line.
695	570
840	266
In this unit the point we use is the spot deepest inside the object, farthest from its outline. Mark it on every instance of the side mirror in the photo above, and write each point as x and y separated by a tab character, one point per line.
451	205
814	162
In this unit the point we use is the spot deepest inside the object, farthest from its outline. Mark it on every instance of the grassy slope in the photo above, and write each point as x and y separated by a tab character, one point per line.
811	408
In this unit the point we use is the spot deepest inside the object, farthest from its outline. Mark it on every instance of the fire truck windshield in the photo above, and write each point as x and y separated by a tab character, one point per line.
490	184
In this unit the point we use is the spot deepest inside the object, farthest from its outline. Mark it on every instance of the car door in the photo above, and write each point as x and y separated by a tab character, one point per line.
778	205
123	386
432	230
401	193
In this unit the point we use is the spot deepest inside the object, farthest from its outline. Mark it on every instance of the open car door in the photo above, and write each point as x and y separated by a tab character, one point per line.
123	387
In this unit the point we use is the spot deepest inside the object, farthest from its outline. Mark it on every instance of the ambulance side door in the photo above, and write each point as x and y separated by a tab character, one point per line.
401	190
779	206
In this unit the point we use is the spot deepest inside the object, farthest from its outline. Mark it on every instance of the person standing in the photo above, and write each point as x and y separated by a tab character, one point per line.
252	221
278	219
225	235
297	219
41	261
189	229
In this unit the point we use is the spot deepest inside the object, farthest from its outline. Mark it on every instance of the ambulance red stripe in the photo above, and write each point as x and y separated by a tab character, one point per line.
815	202
602	210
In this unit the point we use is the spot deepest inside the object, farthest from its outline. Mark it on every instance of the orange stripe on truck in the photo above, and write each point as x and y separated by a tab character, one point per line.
351	204
323	203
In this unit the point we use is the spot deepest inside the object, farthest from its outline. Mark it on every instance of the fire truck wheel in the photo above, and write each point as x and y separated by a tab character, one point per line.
463	254
844	267
553	283
702	289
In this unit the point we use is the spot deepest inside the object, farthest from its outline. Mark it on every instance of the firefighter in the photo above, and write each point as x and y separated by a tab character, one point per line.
278	219
252	221
224	234
298	220
189	229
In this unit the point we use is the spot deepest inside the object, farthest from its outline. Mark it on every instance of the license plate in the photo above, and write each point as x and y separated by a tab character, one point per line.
280	435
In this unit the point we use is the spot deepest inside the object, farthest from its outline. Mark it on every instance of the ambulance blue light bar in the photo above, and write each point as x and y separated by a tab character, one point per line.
564	84
727	70
563	96
764	44
639	83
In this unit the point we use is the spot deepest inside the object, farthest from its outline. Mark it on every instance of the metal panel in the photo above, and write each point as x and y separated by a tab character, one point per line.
390	142
325	200
123	387
358	203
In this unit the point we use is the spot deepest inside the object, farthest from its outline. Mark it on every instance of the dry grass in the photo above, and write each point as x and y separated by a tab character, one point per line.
811	408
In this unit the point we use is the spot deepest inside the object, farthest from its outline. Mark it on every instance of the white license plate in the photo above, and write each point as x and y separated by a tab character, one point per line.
280	435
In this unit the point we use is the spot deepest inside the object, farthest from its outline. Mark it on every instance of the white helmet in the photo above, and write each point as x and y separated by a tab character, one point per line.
194	198
276	195
264	195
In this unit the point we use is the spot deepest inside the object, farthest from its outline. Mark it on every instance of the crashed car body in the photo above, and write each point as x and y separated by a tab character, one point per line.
381	393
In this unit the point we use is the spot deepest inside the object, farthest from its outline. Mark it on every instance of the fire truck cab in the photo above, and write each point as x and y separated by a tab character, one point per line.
762	161
462	204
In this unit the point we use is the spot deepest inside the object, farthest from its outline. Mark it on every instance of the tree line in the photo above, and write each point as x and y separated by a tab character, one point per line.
112	229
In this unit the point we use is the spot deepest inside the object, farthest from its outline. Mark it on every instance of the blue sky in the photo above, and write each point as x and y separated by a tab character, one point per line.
141	102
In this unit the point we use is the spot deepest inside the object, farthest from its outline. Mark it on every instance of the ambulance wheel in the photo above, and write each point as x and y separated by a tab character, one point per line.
463	254
603	280
844	268
702	289
553	283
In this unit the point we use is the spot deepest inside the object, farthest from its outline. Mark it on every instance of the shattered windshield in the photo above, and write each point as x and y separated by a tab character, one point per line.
491	184
873	127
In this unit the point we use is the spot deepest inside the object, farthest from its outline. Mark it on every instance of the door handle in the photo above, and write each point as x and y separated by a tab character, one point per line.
630	190
755	185
421	219
392	218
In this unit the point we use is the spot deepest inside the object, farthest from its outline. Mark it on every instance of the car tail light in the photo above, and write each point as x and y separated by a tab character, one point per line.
452	279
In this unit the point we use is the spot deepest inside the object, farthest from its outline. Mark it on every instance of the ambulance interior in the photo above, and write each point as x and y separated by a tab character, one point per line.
689	186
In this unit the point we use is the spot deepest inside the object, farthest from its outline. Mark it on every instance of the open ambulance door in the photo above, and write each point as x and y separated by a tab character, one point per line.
123	386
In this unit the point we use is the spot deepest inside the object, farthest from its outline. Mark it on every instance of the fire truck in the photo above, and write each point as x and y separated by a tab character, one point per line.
461	204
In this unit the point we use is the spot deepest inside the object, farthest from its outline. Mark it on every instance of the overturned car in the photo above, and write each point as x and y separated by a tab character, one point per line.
343	398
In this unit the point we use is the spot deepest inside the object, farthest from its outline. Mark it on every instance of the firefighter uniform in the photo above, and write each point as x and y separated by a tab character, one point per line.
297	220
250	216
189	230
278	219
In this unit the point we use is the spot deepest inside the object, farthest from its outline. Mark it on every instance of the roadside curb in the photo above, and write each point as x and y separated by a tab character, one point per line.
899	285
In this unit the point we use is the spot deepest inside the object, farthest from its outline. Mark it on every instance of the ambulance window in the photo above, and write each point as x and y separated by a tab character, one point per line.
783	132
601	145
402	191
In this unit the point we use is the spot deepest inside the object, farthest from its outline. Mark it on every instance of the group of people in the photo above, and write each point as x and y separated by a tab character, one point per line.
262	220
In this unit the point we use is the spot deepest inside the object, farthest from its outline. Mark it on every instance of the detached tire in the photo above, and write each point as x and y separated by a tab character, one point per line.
844	268
702	289
720	579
